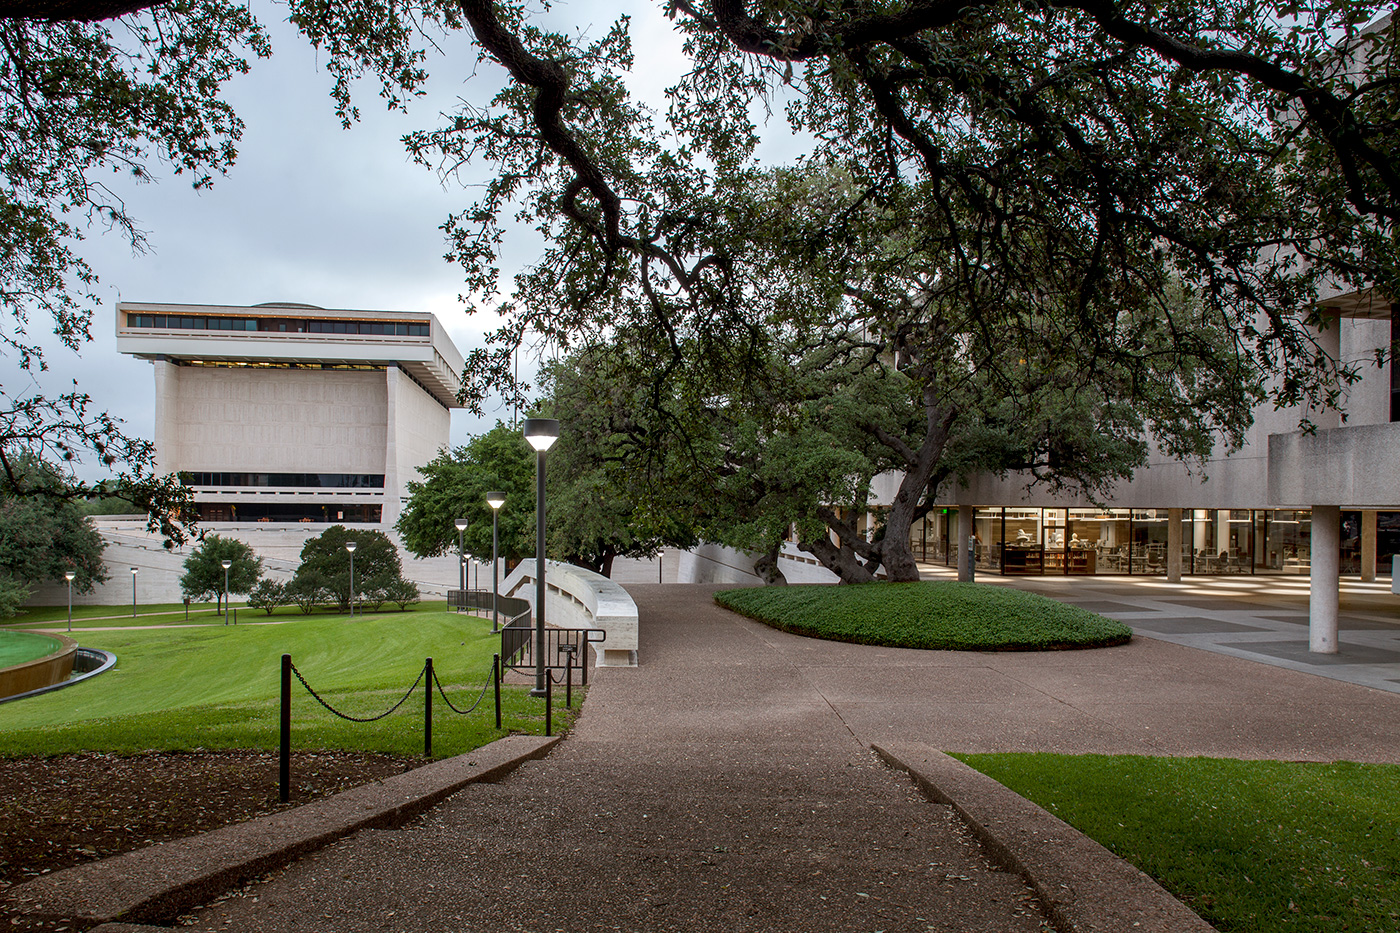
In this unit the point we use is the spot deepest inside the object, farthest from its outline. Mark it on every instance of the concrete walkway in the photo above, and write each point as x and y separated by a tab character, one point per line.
727	784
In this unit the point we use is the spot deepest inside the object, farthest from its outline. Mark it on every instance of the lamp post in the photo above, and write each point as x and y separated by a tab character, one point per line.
540	433
226	565
350	546
495	500
133	592
69	575
461	524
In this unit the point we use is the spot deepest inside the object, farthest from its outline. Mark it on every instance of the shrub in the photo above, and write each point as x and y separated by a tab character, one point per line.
305	592
267	595
403	592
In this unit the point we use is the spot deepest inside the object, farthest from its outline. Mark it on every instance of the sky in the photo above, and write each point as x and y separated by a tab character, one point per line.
311	213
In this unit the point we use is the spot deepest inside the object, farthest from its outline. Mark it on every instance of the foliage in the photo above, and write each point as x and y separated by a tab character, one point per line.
204	572
43	536
268	595
216	687
945	616
79	100
305	592
1252	846
403	593
455	485
13	593
325	565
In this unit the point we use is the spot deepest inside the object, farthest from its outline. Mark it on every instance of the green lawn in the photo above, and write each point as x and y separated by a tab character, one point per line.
106	616
217	687
956	616
1252	846
18	647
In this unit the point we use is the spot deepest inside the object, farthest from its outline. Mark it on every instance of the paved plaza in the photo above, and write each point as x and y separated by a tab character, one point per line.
727	783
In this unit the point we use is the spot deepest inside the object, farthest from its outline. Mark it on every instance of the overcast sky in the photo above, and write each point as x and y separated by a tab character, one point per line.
310	213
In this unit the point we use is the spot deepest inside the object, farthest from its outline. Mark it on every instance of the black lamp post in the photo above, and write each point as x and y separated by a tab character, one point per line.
350	546
133	592
69	575
226	565
461	524
540	433
495	500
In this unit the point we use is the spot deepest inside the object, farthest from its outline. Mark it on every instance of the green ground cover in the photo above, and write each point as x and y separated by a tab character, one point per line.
217	687
956	616
107	616
18	647
1252	846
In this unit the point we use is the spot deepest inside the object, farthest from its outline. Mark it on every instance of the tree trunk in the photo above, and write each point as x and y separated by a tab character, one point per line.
841	561
606	567
767	568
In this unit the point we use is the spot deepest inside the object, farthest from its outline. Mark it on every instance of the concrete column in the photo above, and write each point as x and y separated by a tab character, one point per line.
393	483
1323	596
966	514
1368	544
1173	545
167	417
1330	342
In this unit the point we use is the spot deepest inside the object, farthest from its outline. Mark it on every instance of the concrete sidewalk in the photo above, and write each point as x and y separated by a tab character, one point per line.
728	784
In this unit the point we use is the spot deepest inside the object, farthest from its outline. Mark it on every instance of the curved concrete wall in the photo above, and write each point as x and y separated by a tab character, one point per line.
579	598
41	672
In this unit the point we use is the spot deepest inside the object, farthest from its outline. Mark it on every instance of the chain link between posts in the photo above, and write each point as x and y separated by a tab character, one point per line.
337	712
490	676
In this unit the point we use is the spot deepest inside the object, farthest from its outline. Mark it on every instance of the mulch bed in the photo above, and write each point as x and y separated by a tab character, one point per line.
62	811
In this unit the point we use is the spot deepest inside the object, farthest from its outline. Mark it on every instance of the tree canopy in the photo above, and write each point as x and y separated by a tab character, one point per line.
81	100
204	569
325	564
43	537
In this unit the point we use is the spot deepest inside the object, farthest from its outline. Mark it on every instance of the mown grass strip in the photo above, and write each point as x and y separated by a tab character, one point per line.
1252	846
19	647
952	616
185	688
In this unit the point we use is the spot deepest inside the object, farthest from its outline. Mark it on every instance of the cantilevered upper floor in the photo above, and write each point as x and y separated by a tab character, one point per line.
284	335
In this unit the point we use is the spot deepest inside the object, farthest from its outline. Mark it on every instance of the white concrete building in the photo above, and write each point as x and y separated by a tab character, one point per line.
291	413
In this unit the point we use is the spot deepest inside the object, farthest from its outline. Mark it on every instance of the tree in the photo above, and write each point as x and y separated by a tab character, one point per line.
455	485
44	536
204	570
325	566
80	100
402	592
267	595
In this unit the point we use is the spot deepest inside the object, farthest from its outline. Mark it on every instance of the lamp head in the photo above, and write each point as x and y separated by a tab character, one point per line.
350	546
540	433
461	524
226	564
133	571
69	575
495	499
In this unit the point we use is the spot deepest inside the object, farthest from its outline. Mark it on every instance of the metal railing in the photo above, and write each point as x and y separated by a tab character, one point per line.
564	648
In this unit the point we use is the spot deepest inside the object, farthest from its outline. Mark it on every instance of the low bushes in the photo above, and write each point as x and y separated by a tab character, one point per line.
953	616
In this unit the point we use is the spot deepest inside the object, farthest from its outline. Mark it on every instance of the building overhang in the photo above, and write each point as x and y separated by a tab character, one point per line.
1367	304
1352	467
433	359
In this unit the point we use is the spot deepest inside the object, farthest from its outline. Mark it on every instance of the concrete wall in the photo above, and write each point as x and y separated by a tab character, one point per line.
1352	466
271	420
417	428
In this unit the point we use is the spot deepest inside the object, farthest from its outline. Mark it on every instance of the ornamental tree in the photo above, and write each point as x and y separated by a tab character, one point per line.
204	570
325	565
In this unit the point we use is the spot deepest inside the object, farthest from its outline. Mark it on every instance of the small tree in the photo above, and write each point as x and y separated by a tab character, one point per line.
403	592
267	596
304	591
325	561
204	570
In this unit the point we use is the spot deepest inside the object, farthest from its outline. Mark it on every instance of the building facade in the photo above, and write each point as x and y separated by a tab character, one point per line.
283	413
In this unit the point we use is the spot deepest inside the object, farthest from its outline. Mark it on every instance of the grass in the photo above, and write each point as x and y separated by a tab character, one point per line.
1252	846
18	647
953	616
214	687
88	617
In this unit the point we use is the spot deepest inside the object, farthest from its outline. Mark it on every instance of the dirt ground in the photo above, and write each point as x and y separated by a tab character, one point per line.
62	811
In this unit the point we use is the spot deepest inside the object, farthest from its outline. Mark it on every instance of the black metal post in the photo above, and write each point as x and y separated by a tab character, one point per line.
540	674
548	704
428	708
569	678
284	751
496	677
495	574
